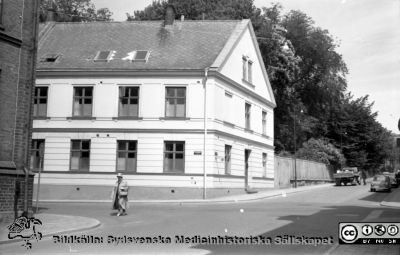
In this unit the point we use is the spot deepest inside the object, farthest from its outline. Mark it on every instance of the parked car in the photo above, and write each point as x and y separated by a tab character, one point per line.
398	176
381	182
393	181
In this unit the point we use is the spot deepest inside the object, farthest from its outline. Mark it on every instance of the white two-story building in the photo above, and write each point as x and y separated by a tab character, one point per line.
129	97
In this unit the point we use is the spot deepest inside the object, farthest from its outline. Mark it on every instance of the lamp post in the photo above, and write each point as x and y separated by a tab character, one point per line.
294	142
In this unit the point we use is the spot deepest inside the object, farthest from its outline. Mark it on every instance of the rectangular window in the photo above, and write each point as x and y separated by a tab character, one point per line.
175	102
247	115
174	157
398	142
264	164
141	56
1	12
37	153
40	102
249	71
103	56
244	59
80	155
264	123
128	102
228	108
126	155
83	98
228	149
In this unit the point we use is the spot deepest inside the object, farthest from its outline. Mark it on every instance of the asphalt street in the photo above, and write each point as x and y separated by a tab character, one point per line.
314	213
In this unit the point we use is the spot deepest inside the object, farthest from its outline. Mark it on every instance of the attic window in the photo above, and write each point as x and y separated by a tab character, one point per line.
102	56
49	58
141	56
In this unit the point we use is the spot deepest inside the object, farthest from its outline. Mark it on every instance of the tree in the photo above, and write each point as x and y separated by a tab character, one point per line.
73	11
198	9
321	151
307	75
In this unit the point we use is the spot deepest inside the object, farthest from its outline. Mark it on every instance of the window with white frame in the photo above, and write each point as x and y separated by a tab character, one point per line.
83	100
250	71
228	106
175	102
244	68
80	155
174	157
37	153
264	122
264	164
40	102
128	101
126	155
228	149
247	115
247	69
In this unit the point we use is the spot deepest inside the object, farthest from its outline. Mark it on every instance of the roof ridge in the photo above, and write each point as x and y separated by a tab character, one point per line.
147	21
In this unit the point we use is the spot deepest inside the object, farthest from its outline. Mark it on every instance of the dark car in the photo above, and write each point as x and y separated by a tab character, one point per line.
398	176
393	181
381	182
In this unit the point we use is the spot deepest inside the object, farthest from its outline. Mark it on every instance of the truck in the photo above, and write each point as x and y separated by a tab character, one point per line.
347	175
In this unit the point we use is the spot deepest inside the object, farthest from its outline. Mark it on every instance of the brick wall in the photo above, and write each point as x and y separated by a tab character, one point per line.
17	65
12	194
18	34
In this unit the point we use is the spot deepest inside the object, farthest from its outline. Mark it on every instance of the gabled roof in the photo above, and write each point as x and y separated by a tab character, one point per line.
187	45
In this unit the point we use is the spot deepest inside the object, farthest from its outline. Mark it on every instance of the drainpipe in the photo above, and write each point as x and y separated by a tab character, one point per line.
205	134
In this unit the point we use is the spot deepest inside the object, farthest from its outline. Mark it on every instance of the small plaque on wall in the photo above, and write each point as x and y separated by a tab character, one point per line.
197	152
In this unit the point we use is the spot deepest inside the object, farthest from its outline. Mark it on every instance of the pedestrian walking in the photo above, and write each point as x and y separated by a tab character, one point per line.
364	176
120	196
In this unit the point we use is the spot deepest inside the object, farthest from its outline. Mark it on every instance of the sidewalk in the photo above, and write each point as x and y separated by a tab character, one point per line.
53	224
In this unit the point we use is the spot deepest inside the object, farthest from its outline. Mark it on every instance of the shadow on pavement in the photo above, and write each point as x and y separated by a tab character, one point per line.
325	224
376	196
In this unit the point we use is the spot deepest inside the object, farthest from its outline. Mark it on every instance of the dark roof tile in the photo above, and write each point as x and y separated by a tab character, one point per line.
185	45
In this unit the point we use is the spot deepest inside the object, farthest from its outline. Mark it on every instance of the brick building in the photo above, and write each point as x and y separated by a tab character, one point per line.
18	33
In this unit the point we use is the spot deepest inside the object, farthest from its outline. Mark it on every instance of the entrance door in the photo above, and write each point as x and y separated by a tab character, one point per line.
246	168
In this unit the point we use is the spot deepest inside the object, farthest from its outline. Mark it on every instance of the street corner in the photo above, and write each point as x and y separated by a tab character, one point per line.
43	225
56	223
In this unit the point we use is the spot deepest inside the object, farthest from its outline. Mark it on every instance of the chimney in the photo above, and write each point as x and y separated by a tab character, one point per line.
51	11
169	15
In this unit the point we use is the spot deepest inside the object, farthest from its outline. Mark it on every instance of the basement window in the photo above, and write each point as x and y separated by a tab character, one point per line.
102	56
50	57
141	56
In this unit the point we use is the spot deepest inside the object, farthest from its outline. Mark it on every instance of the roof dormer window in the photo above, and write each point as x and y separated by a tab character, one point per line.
141	56
49	57
103	56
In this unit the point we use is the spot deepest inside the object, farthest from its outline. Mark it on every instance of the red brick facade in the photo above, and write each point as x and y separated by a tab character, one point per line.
18	35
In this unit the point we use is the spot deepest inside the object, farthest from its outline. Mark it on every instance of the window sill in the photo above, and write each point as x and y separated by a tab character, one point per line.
81	118
248	130
174	118
41	118
265	136
226	123
248	83
175	172
127	118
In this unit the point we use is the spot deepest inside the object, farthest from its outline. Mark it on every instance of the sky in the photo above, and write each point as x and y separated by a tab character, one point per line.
369	36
